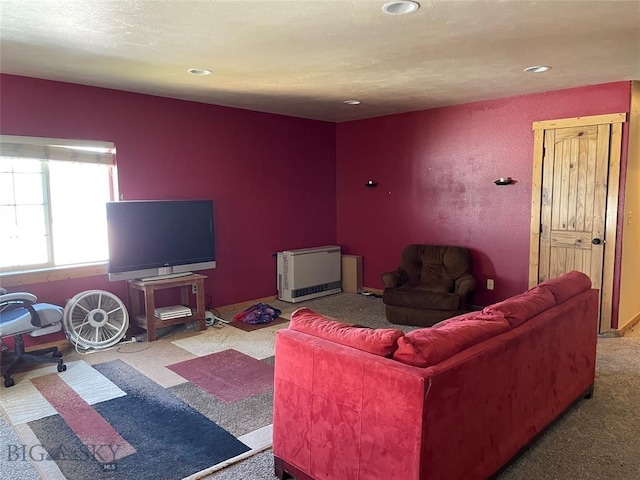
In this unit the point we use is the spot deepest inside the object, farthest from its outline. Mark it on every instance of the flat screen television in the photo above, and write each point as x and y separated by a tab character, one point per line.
159	238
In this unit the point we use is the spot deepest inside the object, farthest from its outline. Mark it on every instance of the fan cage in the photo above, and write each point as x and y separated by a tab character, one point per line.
95	319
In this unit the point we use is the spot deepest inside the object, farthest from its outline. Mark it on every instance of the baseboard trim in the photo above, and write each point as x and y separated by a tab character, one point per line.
60	344
244	305
63	343
629	325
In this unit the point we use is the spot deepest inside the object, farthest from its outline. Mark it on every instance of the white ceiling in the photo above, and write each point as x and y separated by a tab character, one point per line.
305	57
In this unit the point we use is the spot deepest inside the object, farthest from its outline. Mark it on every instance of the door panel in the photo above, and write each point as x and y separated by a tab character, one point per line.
574	186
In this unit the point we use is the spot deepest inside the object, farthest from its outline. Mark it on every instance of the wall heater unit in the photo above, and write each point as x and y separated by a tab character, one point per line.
309	273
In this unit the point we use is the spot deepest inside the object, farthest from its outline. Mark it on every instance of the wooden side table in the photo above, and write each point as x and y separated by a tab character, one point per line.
143	314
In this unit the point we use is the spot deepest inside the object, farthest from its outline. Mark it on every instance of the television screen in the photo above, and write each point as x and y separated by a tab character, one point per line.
161	237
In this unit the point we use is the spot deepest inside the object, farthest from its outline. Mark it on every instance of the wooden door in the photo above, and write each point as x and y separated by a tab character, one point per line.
575	196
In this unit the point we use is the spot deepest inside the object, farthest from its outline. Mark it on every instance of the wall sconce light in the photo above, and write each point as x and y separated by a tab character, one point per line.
504	181
371	184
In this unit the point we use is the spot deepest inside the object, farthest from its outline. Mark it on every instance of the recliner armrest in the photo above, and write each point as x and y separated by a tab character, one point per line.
395	278
465	284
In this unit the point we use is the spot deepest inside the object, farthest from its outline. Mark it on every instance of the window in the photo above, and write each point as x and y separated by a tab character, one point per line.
52	202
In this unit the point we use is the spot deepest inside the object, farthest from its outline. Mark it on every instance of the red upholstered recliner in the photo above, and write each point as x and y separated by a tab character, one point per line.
430	284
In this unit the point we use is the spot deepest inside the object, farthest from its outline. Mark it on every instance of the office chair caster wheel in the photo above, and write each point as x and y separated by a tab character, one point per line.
62	368
9	382
57	354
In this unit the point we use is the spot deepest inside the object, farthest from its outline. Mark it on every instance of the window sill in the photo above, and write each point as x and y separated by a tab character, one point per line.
52	274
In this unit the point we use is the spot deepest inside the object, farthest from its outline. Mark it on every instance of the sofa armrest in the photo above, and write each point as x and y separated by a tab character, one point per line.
340	412
465	284
394	279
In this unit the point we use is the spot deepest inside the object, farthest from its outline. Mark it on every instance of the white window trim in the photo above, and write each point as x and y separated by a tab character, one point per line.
52	274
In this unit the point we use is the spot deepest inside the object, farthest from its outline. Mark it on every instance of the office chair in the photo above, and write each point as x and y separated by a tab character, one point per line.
20	314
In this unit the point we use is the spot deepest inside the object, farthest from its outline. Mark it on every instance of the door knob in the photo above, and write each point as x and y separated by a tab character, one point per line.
596	241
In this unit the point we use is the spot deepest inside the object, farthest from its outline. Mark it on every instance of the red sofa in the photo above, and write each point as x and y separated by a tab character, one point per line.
455	401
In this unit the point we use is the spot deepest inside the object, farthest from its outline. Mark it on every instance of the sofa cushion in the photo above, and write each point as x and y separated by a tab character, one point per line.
520	308
475	315
567	286
383	341
429	346
421	296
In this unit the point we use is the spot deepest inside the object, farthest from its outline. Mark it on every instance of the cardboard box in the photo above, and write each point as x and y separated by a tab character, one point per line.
351	273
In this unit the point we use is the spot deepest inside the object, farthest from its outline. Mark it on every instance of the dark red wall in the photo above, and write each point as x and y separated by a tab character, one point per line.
435	171
272	178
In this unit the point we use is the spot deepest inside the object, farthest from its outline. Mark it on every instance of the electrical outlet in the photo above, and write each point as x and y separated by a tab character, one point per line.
194	289
490	284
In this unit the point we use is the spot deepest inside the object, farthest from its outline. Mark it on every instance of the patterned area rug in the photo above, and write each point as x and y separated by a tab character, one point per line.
228	375
154	410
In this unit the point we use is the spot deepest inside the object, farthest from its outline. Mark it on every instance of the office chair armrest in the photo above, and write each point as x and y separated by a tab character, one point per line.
10	301
18	296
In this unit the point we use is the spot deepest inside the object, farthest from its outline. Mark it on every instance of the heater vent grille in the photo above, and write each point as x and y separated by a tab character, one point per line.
309	273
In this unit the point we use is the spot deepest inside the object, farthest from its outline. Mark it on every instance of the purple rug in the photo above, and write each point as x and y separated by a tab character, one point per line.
228	375
248	327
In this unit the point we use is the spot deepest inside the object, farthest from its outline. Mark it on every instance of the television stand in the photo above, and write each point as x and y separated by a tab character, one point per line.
143	313
166	276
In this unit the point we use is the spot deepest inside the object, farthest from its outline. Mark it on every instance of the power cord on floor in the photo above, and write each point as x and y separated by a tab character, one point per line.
117	346
218	323
215	322
141	338
146	347
369	294
213	319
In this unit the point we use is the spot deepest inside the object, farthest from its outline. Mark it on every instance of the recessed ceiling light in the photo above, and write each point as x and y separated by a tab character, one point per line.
400	7
537	69
199	71
352	102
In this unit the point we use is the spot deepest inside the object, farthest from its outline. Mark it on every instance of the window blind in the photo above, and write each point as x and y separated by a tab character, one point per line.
41	148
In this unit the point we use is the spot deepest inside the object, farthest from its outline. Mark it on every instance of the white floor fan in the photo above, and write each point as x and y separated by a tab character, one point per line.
95	319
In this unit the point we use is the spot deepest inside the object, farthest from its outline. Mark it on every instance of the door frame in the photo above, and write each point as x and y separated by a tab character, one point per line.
613	187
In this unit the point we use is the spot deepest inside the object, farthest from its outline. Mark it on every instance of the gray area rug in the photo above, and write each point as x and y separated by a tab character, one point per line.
14	463
597	439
